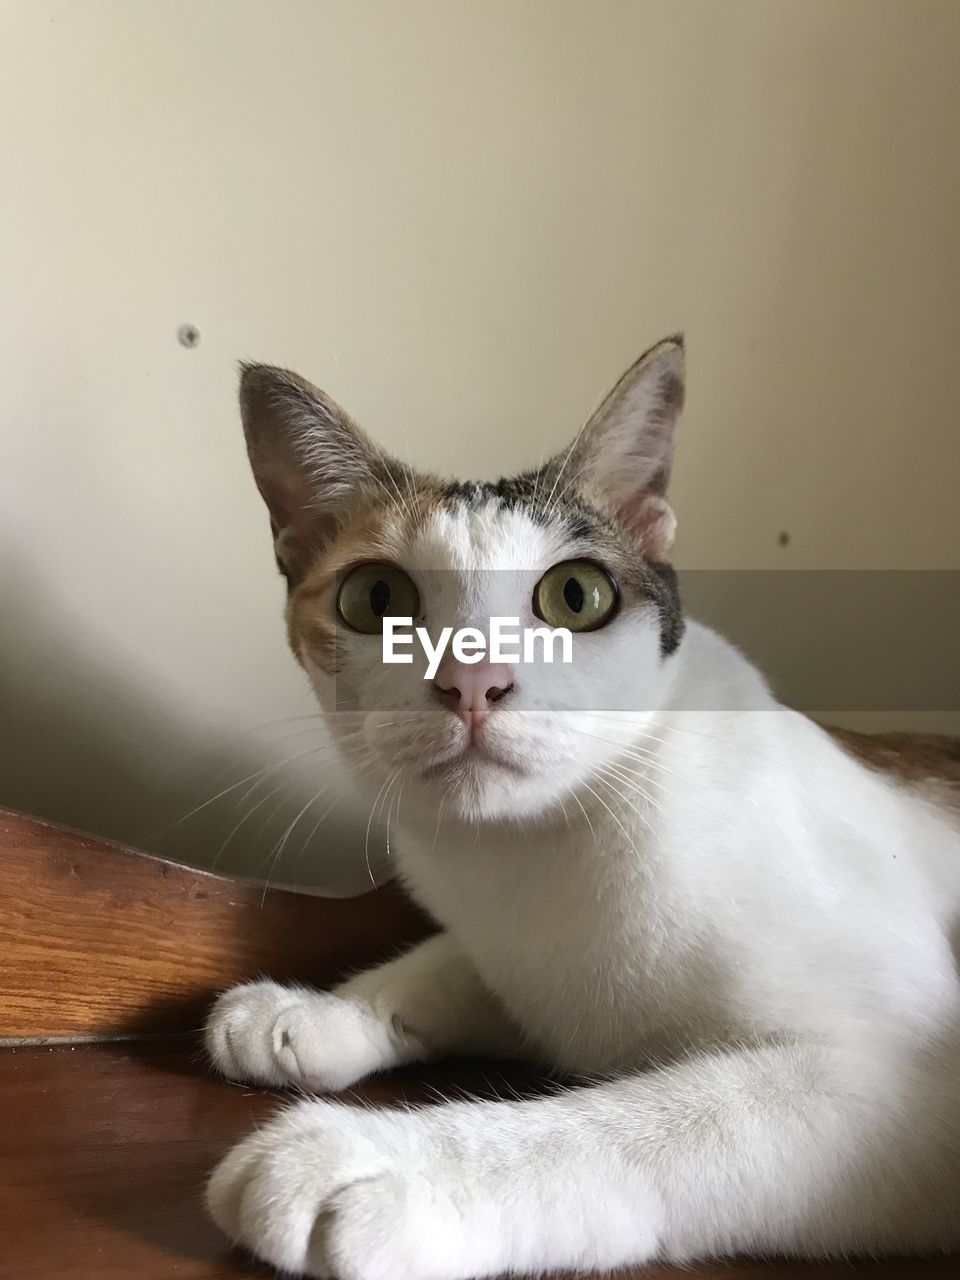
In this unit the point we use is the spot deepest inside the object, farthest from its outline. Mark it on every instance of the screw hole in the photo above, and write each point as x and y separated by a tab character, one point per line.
783	538
188	335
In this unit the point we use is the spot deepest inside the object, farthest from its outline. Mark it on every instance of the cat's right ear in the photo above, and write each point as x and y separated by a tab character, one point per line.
308	458
621	459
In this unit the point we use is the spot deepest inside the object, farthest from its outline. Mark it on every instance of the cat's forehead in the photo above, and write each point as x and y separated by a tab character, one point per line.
477	530
515	525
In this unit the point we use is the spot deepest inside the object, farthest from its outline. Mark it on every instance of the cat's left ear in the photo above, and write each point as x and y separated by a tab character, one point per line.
623	456
309	459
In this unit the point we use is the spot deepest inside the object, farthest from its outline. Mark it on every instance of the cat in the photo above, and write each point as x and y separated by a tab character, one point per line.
728	926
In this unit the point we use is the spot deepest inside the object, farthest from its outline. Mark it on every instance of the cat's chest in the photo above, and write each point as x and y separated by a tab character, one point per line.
575	947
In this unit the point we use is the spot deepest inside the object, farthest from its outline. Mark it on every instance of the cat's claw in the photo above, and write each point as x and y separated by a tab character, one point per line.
331	1191
266	1033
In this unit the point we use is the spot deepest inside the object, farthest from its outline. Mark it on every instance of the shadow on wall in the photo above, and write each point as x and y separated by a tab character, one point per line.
873	649
80	745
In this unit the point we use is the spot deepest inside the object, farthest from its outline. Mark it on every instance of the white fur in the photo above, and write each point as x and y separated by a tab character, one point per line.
703	901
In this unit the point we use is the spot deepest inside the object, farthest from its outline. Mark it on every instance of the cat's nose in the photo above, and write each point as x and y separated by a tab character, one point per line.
472	690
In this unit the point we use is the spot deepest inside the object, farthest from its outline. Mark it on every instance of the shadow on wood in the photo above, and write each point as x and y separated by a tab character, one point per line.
104	1147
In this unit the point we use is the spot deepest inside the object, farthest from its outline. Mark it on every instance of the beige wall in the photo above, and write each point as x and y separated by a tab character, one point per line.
462	219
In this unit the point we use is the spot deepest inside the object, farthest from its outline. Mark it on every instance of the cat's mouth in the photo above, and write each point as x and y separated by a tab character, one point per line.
471	755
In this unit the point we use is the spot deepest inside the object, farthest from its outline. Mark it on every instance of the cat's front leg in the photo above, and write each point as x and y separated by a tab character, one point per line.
425	1004
448	1192
779	1148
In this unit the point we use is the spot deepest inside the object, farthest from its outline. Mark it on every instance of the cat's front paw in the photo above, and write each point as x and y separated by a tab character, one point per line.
266	1033
332	1191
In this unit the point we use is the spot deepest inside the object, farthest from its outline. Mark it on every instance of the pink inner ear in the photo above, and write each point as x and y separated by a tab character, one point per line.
652	520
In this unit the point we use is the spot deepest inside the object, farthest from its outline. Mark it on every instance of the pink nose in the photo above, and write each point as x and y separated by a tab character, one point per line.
473	689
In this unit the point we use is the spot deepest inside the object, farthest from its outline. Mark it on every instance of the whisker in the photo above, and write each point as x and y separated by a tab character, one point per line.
359	769
399	796
258	774
555	503
652	760
605	782
234	830
570	450
627	777
626	834
373	809
584	812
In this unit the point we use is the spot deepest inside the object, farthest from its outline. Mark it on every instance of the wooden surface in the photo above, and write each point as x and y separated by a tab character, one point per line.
104	1150
96	940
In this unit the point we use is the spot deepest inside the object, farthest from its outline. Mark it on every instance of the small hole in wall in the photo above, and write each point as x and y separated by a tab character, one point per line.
188	335
783	538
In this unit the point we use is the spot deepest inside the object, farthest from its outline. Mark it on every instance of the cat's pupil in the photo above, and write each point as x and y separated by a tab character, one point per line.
379	597
573	594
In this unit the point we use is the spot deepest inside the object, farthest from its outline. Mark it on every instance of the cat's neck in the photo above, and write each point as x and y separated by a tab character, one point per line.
709	674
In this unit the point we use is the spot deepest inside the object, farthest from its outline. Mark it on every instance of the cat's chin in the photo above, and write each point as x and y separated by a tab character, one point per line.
473	764
476	787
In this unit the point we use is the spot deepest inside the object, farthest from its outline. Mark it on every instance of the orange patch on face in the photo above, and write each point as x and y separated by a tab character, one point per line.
373	531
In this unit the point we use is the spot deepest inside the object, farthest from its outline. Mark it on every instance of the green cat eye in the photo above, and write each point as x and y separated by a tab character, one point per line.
370	591
576	594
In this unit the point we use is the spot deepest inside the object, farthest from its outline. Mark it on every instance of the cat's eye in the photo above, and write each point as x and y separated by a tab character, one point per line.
577	594
371	591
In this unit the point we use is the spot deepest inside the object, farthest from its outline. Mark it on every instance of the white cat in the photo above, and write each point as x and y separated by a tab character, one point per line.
647	872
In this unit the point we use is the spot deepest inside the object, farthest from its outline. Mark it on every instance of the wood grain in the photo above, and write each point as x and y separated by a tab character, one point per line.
97	940
104	1148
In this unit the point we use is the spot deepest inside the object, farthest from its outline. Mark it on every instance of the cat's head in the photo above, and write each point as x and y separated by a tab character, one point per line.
581	543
